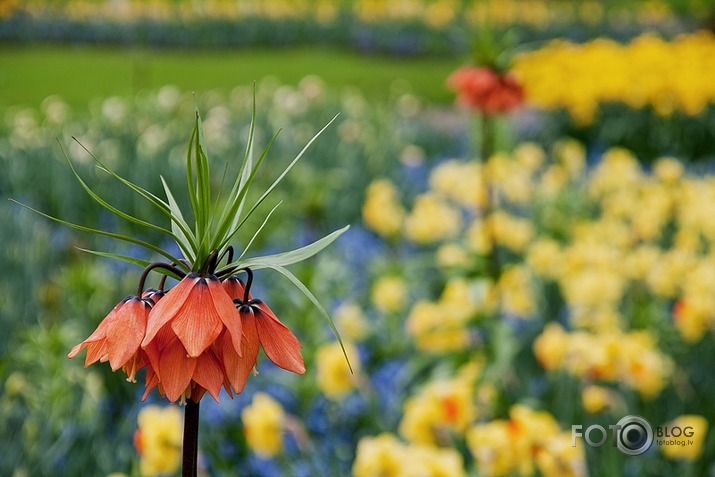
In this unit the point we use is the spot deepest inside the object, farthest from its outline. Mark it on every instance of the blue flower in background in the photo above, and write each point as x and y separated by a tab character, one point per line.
389	382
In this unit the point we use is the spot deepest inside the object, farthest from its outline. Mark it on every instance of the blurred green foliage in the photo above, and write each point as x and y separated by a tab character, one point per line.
28	74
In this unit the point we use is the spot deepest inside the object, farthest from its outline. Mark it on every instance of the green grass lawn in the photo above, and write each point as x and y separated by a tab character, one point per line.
28	74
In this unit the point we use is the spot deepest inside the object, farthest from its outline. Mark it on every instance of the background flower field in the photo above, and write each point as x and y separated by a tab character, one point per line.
597	207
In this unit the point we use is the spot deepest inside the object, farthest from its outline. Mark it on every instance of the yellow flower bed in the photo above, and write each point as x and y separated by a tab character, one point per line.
435	13
669	76
632	255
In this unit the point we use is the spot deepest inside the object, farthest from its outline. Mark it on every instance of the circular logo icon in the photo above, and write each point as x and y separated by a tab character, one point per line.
634	435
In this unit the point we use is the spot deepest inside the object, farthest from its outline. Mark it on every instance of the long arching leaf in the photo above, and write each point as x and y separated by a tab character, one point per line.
288	258
299	285
110	207
286	170
181	230
124	238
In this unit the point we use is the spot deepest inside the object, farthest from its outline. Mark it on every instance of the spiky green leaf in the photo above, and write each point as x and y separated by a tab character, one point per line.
115	256
181	229
124	238
288	258
110	207
300	286
286	170
258	231
229	226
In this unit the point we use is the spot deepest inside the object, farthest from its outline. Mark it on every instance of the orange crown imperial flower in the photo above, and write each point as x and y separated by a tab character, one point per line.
181	334
204	333
485	90
261	328
118	337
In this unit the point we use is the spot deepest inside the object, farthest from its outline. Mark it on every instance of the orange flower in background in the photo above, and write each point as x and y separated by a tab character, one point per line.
181	332
261	327
118	337
486	90
158	440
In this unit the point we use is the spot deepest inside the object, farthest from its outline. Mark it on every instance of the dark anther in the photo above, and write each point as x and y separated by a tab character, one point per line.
246	306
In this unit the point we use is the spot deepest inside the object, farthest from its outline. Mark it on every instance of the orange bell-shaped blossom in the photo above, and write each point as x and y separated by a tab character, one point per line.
181	336
185	378
118	337
261	327
486	90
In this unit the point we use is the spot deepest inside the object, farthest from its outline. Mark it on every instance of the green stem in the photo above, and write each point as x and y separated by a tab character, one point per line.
189	467
487	148
488	136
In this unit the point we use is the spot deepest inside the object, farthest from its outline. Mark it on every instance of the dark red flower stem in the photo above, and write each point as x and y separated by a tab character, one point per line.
228	270
153	266
209	266
228	253
249	282
162	282
189	464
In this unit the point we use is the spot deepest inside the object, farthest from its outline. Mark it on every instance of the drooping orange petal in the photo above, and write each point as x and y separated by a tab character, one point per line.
175	370
96	350
197	392
209	373
223	349
197	323
126	332
227	312
234	287
76	349
163	337
100	333
153	350
280	344
152	381
239	367
166	308
153	355
227	386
